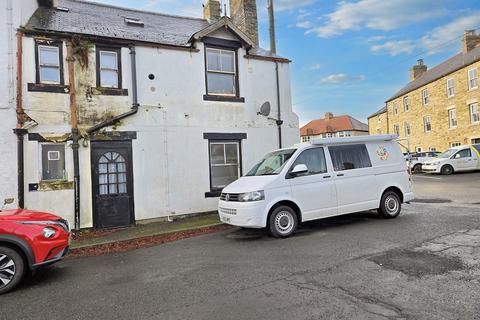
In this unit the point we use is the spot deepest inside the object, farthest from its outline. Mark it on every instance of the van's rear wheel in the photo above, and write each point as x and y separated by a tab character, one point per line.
282	222
390	205
12	269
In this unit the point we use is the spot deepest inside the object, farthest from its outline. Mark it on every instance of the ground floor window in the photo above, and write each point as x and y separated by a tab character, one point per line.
455	144
224	163
474	113
53	161
476	141
419	149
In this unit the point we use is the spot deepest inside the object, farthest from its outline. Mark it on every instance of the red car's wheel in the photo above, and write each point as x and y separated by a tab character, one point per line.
12	269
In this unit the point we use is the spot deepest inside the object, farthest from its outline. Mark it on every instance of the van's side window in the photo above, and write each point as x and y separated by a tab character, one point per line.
314	159
349	157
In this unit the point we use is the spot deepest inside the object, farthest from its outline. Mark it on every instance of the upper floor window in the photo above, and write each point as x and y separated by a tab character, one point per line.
427	125
221	72
53	161
49	63
395	108
452	118
396	129
474	113
473	78
408	129
108	68
425	97
406	103
450	87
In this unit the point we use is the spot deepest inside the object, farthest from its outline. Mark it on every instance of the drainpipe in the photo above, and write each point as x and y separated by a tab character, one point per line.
19	131
75	134
279	113
135	104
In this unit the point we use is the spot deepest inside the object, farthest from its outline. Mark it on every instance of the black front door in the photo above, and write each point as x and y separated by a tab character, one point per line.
112	183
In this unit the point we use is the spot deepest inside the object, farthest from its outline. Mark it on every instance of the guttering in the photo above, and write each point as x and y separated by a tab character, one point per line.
135	105
75	134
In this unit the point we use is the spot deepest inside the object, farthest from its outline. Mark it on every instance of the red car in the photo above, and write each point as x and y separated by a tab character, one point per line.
29	240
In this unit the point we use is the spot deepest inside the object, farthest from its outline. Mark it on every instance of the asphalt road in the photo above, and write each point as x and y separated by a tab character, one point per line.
423	265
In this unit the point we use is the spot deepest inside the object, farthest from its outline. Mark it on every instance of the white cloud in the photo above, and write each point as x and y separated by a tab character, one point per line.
304	24
438	40
341	78
314	67
394	48
291	4
378	15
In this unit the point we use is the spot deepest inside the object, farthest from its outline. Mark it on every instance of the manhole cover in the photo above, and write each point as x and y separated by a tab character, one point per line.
417	263
432	200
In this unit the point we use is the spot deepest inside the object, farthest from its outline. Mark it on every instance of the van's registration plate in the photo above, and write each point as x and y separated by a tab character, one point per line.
225	219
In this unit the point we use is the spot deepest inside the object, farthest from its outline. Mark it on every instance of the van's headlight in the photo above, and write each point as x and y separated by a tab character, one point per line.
435	163
251	196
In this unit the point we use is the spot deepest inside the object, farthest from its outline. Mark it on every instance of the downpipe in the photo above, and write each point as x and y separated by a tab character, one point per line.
279	120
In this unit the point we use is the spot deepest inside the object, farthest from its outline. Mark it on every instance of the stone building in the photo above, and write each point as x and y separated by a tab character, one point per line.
439	107
333	126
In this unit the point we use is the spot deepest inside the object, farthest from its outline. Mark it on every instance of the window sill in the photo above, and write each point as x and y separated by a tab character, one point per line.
207	97
213	194
52	88
109	91
51	185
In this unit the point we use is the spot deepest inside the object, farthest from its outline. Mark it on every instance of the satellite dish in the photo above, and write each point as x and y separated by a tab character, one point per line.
265	109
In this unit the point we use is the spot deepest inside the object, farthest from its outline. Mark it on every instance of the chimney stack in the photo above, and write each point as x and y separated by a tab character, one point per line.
417	70
212	10
328	115
244	15
470	40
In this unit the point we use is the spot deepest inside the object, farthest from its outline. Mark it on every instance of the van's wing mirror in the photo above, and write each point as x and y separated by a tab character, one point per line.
299	169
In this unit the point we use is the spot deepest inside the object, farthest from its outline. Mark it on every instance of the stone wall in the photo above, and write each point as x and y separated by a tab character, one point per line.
244	15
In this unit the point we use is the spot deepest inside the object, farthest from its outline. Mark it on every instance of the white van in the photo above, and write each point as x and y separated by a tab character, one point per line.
461	158
324	178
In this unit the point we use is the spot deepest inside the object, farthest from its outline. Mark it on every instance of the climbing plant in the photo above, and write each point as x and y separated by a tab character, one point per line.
81	50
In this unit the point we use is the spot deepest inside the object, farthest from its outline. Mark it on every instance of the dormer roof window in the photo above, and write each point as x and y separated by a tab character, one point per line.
134	22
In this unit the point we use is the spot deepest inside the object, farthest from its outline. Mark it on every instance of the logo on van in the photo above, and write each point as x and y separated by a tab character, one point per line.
382	153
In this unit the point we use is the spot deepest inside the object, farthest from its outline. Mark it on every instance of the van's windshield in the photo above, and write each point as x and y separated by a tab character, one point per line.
448	153
272	163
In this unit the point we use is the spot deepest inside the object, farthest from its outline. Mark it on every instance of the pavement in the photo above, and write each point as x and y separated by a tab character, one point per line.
425	264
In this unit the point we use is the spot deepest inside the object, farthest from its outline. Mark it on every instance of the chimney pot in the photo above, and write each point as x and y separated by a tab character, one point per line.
244	15
418	69
328	115
470	40
212	10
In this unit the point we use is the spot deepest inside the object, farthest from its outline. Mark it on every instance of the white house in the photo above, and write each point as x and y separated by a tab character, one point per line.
165	109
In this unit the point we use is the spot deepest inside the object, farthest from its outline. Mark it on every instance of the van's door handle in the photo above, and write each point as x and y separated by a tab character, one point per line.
326	177
340	175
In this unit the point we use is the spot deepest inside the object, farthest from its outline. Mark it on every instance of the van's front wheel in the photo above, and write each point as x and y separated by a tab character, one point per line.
282	222
390	205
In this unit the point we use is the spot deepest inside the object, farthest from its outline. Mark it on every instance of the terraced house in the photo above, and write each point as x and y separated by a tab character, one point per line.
439	107
126	115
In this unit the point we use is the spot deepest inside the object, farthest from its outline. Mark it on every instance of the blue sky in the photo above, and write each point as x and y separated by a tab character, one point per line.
349	56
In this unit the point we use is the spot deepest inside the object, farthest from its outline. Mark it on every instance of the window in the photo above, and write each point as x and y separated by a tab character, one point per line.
474	113
330	135
49	64
465	153
452	118
348	133
395	108
108	68
306	138
396	129
472	79
408	129
450	87
476	141
432	149
314	159
425	97
341	134
427	125
379	119
224	163
349	157
379	131
112	174
406	104
221	72
419	149
455	144
53	162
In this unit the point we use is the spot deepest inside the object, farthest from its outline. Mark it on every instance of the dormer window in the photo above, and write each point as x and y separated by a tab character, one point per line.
134	22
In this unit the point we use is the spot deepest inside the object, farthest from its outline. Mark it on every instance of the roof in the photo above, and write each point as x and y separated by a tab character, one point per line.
383	110
453	64
106	21
372	138
334	124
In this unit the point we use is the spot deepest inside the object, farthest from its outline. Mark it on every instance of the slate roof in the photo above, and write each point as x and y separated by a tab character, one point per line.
335	124
383	110
451	65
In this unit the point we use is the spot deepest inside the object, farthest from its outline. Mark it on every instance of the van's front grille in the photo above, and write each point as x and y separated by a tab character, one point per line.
228	211
233	197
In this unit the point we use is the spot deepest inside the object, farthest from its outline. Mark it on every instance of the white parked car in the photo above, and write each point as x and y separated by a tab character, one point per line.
417	159
324	178
461	158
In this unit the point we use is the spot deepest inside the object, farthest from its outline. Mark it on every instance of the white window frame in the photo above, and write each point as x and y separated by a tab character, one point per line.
396	129
406	103
429	122
451	119
238	163
395	108
408	129
471	79
432	149
452	87
50	66
425	97
234	73
419	149
471	106
116	69
455	144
